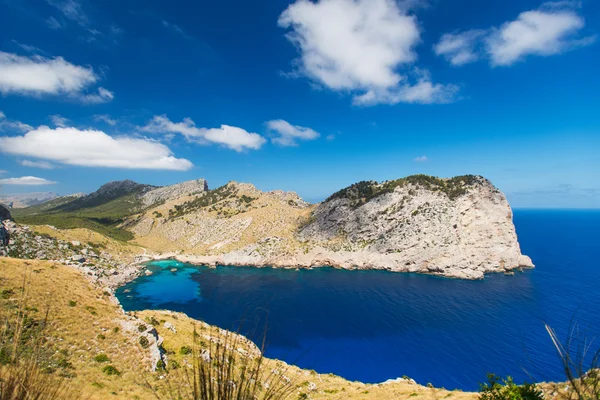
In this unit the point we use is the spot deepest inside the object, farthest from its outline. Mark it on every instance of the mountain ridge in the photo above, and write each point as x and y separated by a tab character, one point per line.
457	227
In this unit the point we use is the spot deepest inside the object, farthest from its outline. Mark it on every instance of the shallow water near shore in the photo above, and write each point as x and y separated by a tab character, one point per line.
375	325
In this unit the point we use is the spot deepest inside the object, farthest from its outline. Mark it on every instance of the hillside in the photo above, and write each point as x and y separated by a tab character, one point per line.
88	332
106	209
459	227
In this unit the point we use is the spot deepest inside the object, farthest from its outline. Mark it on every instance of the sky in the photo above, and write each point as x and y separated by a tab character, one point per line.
307	96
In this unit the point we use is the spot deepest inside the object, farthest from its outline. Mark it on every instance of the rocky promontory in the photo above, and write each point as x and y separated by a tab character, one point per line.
460	227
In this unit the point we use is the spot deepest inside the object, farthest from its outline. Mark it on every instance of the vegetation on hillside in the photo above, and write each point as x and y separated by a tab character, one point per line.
223	200
362	192
206	199
103	211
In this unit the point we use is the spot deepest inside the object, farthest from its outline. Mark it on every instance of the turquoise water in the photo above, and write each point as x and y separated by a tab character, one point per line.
375	325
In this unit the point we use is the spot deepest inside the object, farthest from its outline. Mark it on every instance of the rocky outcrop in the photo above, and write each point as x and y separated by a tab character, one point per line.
4	213
460	227
172	192
99	266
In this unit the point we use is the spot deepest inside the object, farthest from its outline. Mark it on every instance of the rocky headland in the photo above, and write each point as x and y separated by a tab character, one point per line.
460	227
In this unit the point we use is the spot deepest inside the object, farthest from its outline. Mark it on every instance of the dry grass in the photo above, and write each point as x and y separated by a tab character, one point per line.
82	325
232	234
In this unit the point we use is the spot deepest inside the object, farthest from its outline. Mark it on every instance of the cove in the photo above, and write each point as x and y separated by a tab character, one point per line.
375	325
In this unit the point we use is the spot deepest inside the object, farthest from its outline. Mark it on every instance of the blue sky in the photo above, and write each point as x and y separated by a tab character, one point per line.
302	95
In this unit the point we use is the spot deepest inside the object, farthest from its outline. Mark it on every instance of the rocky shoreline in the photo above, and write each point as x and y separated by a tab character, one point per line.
347	261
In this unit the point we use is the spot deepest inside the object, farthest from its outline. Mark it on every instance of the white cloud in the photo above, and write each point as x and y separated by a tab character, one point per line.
37	164
103	96
27	181
106	119
232	137
537	32
289	134
421	159
59	121
460	48
37	75
356	46
93	148
3	171
6	125
552	29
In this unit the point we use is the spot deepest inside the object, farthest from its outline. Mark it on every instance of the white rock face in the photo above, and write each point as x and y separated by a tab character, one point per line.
174	191
414	228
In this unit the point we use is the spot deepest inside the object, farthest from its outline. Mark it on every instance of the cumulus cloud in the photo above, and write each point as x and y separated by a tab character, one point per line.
289	134
37	75
93	148
358	46
554	28
7	125
232	137
37	164
421	159
26	181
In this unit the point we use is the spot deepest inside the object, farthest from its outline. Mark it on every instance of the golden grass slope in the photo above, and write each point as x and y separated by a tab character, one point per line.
87	322
225	226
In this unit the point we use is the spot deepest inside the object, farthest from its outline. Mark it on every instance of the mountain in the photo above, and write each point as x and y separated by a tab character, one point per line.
107	209
459	227
27	199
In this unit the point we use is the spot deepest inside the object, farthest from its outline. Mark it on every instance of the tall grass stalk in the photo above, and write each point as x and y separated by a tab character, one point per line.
227	366
583	376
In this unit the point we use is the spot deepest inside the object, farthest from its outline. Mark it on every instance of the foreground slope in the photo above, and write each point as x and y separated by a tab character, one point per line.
460	227
88	331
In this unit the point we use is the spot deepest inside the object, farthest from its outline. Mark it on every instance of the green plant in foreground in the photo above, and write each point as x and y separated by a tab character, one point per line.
506	389
110	370
221	372
101	358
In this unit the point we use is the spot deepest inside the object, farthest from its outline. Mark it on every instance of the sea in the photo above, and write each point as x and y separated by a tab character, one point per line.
371	326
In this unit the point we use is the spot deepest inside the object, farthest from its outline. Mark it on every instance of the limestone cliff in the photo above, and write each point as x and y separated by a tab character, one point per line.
460	227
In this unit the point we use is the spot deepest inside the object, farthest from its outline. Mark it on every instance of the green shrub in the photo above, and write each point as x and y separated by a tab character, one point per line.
101	358
72	303
144	342
185	350
110	370
506	389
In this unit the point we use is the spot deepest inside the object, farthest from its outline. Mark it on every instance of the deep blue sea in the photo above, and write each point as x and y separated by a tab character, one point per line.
373	325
